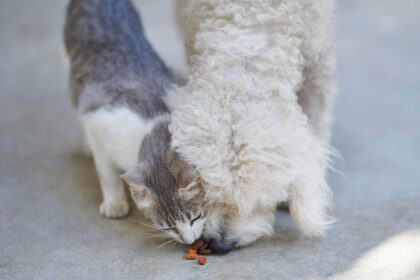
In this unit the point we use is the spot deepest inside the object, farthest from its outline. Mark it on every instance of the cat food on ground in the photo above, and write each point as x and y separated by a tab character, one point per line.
199	247
198	244
202	260
207	251
202	247
191	254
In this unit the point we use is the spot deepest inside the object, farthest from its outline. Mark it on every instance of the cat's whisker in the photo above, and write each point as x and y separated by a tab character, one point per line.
166	243
142	224
149	232
138	214
154	236
147	225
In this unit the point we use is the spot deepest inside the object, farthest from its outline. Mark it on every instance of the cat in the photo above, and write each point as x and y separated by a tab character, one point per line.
118	84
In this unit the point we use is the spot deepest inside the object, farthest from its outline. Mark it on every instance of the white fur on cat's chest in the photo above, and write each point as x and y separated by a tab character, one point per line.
119	133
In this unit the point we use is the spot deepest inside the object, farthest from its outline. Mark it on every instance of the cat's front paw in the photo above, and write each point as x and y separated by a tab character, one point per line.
114	209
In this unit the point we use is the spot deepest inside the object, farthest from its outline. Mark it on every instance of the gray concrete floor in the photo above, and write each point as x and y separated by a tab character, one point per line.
50	227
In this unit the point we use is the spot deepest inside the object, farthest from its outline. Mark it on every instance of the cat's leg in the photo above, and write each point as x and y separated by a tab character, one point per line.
114	204
316	94
86	150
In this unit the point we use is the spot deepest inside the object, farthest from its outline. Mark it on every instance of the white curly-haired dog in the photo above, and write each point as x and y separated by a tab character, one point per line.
254	116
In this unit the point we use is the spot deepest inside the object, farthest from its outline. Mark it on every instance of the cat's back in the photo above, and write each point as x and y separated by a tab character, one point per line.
108	50
94	27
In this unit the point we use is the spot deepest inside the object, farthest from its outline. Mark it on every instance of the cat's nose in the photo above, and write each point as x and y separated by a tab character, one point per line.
187	236
221	246
189	239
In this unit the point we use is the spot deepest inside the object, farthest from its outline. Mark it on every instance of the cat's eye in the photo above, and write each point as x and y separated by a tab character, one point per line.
166	229
195	219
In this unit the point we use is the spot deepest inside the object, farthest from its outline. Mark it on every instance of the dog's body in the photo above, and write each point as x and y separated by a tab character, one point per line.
254	116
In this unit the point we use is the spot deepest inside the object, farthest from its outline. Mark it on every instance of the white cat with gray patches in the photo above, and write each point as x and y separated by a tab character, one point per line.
118	83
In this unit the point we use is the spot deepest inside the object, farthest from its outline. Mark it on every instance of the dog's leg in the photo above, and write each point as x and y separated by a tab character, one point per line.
310	200
316	94
310	196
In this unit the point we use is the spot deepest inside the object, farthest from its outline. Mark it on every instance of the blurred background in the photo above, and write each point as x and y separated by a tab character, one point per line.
50	227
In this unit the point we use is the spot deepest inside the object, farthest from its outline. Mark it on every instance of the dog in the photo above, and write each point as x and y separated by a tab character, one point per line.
254	116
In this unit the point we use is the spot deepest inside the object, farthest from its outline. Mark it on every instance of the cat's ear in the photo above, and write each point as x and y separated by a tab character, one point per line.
138	189
187	180
184	174
141	196
192	190
134	175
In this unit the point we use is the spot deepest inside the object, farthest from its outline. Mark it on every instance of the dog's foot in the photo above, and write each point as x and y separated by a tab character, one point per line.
114	209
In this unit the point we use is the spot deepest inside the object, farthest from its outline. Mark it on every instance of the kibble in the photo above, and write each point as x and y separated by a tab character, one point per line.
202	260
199	247
198	244
207	251
191	254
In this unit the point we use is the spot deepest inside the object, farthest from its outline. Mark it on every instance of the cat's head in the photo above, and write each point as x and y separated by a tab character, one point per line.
167	190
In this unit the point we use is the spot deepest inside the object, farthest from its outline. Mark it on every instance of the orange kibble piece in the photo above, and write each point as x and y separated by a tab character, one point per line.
202	260
191	251
191	256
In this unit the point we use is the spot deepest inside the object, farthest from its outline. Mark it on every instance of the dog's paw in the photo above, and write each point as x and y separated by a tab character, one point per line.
114	209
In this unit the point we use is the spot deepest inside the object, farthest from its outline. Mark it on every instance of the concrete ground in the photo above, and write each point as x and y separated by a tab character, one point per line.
50	227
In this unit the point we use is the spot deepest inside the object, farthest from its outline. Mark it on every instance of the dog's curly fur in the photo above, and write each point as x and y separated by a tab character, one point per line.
254	116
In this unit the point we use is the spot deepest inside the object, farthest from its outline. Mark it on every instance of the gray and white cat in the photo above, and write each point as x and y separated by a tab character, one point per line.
118	85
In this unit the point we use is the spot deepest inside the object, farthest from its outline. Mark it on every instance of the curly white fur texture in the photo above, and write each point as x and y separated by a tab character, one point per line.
254	116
